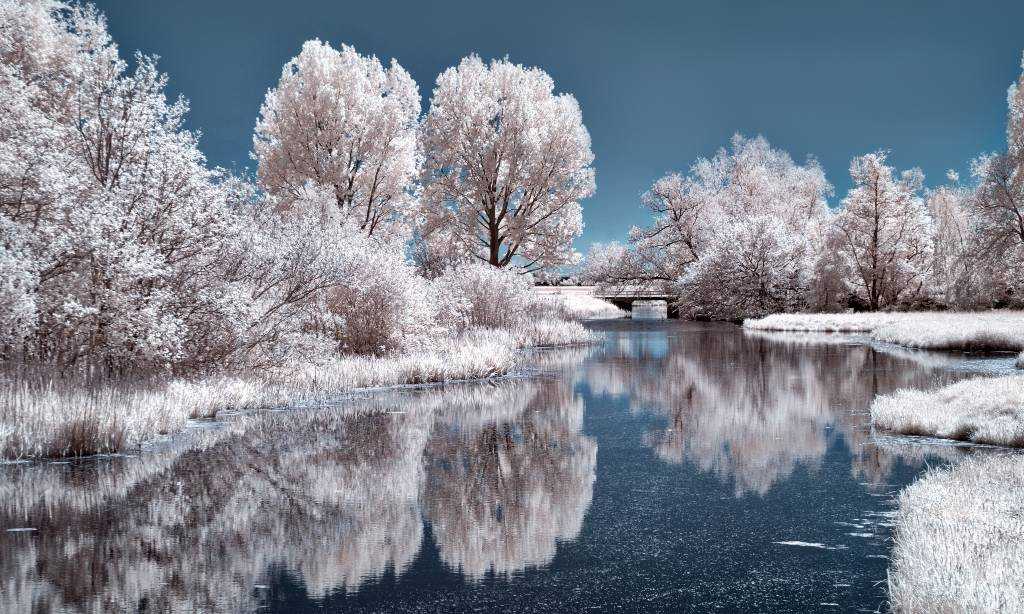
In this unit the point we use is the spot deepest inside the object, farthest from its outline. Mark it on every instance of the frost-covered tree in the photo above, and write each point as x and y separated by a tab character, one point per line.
507	163
998	202
884	234
750	267
107	202
749	179
341	123
740	227
602	262
958	276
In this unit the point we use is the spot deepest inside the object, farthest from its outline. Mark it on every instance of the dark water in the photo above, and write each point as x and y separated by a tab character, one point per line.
678	467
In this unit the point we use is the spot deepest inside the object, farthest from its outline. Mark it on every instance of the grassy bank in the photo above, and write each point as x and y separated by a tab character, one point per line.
988	410
993	331
959	540
54	417
579	302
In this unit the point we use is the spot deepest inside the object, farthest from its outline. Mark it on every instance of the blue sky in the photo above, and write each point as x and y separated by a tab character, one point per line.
660	83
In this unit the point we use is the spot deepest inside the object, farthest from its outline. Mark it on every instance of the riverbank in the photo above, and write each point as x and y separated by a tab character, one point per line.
986	410
988	331
55	418
579	302
959	540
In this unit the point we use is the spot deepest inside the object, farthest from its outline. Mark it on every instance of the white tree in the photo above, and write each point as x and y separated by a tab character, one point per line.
507	163
734	228
750	267
998	203
122	225
748	180
341	123
957	272
602	262
884	233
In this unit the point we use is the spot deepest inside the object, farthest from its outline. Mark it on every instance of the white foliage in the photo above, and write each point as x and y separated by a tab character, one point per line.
480	295
739	232
602	262
342	123
507	162
124	225
998	204
754	266
884	230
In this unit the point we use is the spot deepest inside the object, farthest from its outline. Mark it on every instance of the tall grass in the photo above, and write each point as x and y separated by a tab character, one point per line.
959	540
992	331
987	410
61	417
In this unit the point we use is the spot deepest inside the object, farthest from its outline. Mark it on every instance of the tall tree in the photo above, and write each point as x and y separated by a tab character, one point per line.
740	227
507	163
998	203
884	233
956	271
341	124
106	203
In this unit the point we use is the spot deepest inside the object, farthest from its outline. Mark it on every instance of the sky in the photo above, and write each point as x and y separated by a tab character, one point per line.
660	83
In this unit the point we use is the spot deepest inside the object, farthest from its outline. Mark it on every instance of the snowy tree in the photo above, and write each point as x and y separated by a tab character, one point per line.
707	229
884	234
122	225
957	275
341	123
750	268
750	179
507	163
998	202
602	262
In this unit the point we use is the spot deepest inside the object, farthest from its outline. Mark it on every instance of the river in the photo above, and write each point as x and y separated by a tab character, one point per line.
676	467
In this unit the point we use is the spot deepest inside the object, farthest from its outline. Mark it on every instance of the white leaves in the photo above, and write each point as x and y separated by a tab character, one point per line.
884	233
341	123
507	162
122	224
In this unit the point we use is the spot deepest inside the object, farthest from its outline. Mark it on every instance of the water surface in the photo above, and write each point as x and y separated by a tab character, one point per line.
676	467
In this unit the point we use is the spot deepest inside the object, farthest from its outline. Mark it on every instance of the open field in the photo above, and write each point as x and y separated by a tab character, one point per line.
960	539
992	331
45	417
579	302
987	410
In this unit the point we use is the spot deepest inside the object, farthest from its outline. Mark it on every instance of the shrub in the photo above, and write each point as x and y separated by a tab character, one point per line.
480	295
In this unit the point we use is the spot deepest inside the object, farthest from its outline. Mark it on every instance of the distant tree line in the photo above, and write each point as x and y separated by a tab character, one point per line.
749	232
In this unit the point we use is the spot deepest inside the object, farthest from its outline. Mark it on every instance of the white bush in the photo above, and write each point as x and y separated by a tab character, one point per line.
480	295
750	267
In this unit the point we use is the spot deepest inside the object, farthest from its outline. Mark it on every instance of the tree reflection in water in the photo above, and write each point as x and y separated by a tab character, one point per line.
338	497
334	495
751	407
500	495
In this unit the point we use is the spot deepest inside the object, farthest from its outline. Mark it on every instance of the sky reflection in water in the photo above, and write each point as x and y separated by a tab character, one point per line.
679	466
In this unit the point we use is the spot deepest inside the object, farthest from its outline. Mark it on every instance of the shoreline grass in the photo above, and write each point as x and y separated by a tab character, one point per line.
579	302
989	331
54	418
985	410
959	539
